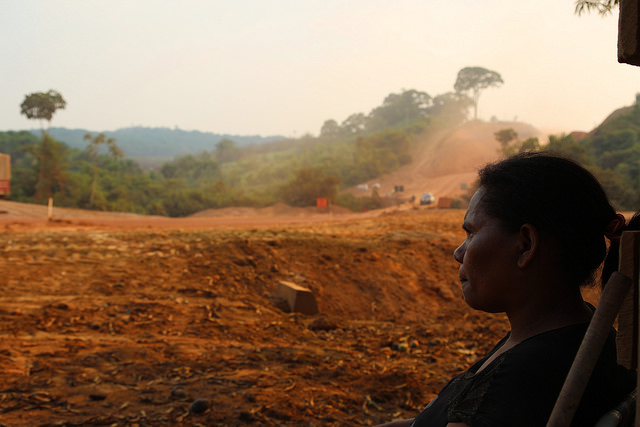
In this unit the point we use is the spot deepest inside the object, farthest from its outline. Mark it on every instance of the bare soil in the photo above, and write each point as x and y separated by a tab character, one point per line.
125	323
105	325
118	319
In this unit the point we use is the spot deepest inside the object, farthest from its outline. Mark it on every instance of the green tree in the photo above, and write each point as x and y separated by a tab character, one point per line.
307	185
400	110
566	146
505	137
603	7
194	170
42	106
379	153
52	168
451	108
354	124
226	151
474	80
330	129
510	145
93	149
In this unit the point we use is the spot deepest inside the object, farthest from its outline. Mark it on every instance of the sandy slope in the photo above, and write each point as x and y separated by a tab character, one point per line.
445	162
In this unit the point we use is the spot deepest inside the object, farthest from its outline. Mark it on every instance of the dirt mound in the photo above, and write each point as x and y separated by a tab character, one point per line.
279	209
12	210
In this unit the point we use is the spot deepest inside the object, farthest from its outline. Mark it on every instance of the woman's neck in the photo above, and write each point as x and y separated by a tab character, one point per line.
546	314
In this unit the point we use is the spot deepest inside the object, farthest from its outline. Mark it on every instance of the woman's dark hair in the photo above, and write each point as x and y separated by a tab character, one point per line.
558	197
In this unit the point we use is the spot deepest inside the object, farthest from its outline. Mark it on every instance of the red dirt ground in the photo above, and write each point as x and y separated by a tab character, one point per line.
125	322
117	319
130	323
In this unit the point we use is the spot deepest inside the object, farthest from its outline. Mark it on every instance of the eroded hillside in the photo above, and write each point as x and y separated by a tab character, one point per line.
446	162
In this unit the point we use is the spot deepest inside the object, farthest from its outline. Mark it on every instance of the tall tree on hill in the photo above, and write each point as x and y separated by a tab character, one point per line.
400	110
474	80
354	124
330	129
42	106
451	107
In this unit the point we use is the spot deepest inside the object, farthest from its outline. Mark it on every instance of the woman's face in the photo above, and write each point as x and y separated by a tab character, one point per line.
487	259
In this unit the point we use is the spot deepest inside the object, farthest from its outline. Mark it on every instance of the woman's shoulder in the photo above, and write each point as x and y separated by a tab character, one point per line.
545	359
556	342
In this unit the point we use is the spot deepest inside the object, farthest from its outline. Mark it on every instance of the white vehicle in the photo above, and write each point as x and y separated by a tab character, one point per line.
427	199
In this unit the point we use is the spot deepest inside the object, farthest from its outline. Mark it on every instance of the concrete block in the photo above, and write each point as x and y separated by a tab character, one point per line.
300	299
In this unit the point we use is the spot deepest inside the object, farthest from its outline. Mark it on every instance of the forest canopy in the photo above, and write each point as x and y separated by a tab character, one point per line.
611	152
94	173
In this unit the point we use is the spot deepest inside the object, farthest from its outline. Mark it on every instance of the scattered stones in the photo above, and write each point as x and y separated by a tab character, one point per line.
322	324
178	393
199	406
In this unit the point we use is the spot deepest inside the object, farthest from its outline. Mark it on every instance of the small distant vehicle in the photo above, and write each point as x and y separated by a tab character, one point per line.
427	199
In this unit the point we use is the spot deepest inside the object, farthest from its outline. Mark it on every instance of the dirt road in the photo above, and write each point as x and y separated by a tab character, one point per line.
445	163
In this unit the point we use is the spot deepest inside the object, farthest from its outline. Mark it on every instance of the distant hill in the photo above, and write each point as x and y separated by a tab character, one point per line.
152	146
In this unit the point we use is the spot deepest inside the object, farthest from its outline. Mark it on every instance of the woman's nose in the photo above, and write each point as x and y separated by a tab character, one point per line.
458	254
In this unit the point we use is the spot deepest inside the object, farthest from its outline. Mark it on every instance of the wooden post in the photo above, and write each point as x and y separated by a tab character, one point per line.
50	209
626	340
630	266
628	318
629	32
589	352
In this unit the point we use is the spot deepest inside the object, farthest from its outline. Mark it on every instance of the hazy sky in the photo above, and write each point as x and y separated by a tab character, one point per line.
285	66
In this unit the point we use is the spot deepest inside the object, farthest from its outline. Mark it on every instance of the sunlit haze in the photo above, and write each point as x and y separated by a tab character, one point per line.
284	67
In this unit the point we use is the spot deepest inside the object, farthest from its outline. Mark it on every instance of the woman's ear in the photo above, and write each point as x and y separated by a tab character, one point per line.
528	242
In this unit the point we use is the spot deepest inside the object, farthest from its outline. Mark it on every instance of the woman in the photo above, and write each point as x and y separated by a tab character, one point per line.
536	232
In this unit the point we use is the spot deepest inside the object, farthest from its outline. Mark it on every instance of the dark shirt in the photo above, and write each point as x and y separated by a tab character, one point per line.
520	387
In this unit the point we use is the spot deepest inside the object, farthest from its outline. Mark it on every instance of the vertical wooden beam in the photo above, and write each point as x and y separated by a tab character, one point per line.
629	32
589	352
630	263
628	318
627	338
50	209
